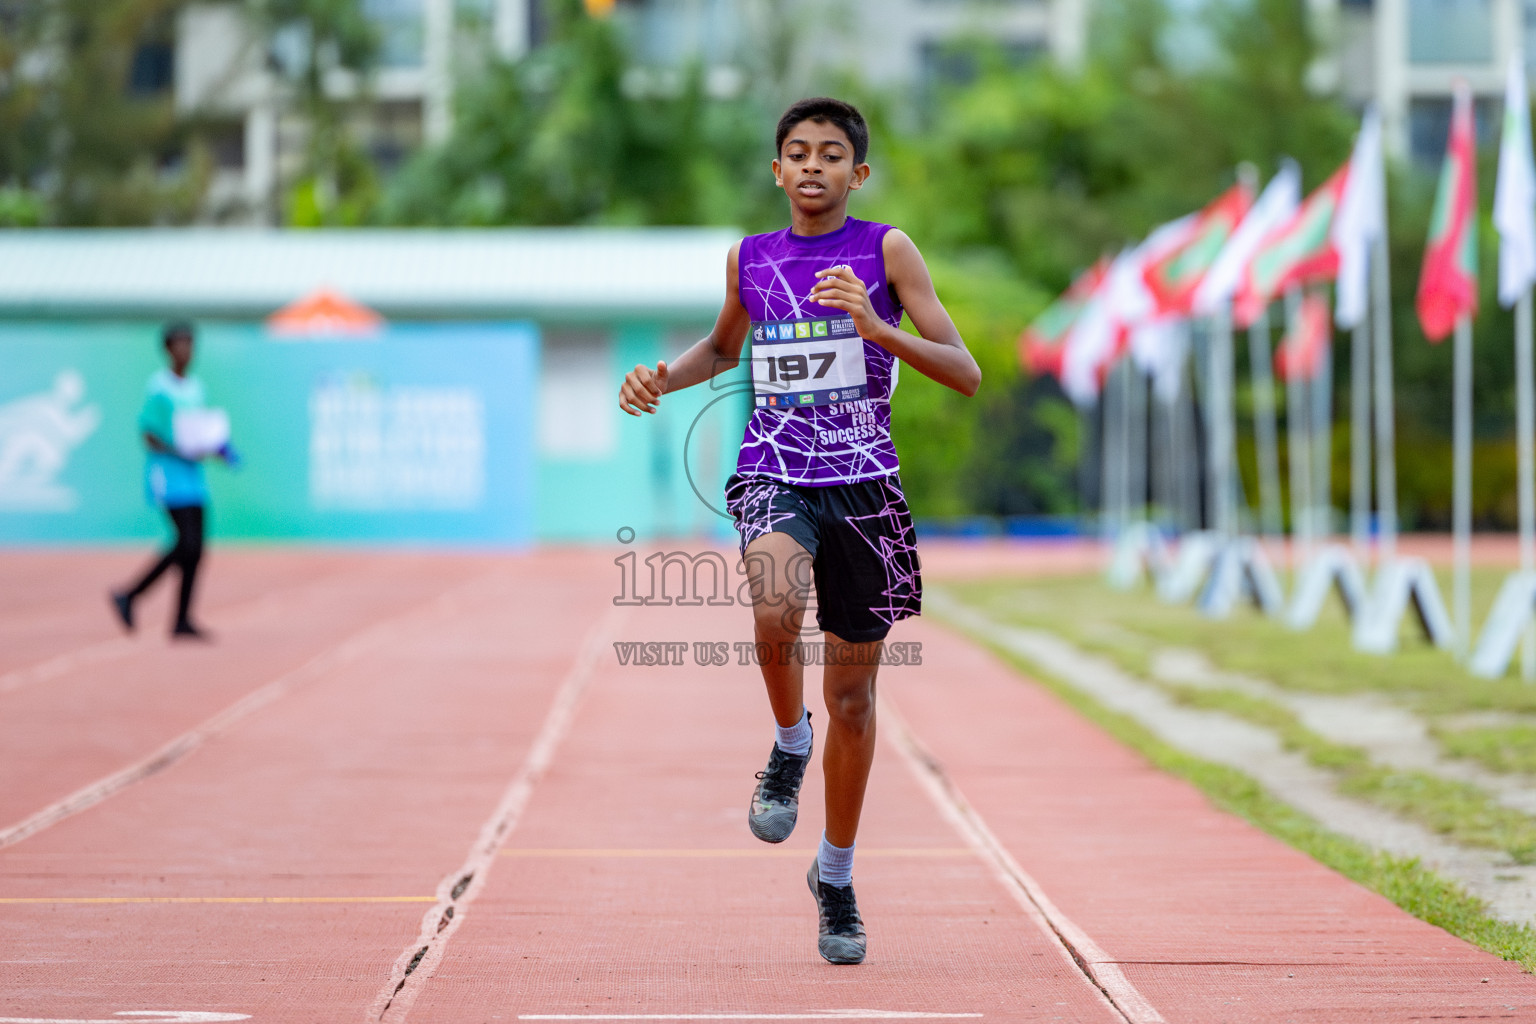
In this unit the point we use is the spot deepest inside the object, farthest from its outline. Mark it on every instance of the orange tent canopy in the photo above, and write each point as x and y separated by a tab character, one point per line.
324	312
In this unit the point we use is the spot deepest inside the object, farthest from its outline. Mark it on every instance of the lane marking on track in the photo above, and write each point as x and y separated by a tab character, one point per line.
920	851
141	1016
1096	965
419	960
87	900
807	1015
332	658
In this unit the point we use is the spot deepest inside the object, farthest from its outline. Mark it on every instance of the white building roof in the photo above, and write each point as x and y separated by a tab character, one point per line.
574	273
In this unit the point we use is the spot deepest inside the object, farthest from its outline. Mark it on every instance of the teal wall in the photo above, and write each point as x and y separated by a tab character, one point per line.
421	435
426	435
644	482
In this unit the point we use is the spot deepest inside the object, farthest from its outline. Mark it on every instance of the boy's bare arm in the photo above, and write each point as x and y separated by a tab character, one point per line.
940	352
720	351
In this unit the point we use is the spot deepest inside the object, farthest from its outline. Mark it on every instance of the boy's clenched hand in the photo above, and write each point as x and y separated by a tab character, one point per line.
840	288
643	388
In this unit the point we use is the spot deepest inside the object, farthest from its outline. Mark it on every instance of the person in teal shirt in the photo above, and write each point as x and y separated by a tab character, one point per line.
173	477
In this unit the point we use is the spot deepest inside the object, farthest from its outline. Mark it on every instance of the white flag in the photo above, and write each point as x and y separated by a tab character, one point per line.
1360	220
1273	208
1121	302
1091	344
1159	348
1514	199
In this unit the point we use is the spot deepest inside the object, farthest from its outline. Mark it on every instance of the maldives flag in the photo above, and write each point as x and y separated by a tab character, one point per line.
1043	343
1298	252
1448	283
1301	352
1175	274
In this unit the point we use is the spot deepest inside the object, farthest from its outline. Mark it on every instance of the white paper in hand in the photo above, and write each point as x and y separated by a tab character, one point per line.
200	432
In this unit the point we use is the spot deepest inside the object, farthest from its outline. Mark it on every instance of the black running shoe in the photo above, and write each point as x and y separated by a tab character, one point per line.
776	801
841	939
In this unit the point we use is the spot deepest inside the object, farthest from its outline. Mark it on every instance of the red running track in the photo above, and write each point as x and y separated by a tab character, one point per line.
277	825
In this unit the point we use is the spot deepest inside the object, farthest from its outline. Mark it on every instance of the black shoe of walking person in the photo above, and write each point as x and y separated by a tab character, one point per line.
187	631
840	933
776	801
123	605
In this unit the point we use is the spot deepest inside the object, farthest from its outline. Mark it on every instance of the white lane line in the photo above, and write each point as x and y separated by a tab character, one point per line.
139	1016
60	664
1085	954
347	651
419	960
807	1015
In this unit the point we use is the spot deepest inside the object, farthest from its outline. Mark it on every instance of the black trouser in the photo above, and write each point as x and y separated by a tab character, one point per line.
185	554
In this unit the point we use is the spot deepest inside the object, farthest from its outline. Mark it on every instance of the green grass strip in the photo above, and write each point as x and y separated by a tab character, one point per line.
1416	889
1461	811
1501	749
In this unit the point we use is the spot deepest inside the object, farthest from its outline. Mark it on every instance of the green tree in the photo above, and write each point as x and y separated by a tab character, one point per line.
578	133
337	183
88	131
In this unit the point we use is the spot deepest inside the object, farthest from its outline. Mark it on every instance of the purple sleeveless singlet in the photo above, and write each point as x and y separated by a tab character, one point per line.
822	412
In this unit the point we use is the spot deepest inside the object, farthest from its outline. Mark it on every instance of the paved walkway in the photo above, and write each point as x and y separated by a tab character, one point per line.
424	788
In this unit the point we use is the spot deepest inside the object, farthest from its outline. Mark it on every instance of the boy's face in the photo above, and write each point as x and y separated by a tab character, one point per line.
815	167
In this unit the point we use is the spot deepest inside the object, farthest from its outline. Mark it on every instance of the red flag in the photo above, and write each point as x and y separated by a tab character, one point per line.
1300	251
1448	282
1175	274
1302	350
1043	343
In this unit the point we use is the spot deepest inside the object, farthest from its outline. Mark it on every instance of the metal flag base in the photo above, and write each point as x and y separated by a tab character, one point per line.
1181	580
1241	571
1507	624
1140	552
1399	582
1334	567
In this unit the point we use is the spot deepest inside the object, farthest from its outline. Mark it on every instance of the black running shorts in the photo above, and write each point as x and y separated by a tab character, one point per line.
861	542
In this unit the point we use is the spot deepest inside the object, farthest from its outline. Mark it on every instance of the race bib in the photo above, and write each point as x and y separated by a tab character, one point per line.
800	363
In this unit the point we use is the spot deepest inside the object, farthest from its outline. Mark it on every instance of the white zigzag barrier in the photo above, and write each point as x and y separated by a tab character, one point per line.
1511	614
1399	583
1140	552
1332	568
1241	570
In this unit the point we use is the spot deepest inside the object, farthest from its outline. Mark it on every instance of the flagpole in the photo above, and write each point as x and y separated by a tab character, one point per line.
1108	436
1386	441
1360	441
1221	421
1123	444
1091	433
1525	400
1187	451
1299	447
1136	449
1322	446
1264	432
1462	507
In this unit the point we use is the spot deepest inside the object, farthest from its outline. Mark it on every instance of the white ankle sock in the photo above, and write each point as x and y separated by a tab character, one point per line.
834	864
797	738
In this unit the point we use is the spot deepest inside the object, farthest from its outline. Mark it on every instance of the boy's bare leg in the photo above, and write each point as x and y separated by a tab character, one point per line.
849	688
779	571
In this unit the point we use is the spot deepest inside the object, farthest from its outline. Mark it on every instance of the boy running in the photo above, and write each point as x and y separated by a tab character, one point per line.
816	481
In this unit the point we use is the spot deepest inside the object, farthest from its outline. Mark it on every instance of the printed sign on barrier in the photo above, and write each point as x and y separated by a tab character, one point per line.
422	435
